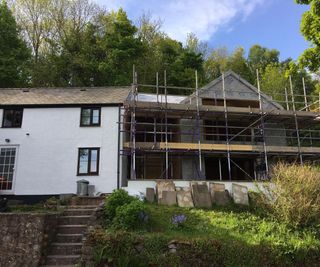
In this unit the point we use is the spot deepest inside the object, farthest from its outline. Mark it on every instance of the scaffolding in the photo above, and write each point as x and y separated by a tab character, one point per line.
193	129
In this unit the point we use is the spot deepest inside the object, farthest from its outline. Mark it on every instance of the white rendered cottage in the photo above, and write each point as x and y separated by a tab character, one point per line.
52	137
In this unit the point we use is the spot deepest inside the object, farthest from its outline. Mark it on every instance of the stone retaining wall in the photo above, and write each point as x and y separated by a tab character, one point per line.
24	237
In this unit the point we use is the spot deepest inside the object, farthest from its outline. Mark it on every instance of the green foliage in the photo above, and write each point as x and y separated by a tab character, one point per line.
274	81
309	27
77	43
133	215
117	199
222	237
292	195
14	54
51	203
260	57
220	61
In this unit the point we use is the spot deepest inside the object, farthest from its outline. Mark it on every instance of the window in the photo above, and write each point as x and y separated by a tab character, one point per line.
90	116
12	118
88	161
7	160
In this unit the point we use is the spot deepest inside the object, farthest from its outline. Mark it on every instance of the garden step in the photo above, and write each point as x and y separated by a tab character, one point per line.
80	201
67	220
65	248
89	207
62	260
71	229
78	212
69	238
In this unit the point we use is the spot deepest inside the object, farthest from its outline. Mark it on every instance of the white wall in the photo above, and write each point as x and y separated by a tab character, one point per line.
47	158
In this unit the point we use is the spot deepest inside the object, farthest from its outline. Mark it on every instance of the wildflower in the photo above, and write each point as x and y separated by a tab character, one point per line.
178	220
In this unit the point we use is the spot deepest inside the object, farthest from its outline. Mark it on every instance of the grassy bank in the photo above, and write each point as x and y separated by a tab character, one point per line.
231	236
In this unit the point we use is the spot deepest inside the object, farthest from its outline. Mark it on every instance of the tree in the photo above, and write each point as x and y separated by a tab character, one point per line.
220	61
216	63
160	53
33	18
14	54
260	57
310	24
274	82
238	63
195	45
150	34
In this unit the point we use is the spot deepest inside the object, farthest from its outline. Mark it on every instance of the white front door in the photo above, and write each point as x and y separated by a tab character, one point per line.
8	155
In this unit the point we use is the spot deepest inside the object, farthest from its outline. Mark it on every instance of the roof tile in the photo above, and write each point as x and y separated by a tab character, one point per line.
63	96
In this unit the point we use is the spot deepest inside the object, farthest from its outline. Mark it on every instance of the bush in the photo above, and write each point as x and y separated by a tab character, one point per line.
115	200
131	216
292	195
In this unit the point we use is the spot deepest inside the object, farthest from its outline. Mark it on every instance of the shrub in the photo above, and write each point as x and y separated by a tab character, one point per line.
131	216
115	200
293	194
51	203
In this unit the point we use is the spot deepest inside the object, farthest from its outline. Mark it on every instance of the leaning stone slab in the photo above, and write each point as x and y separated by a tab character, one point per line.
222	198
219	195
150	194
169	198
201	196
194	182
184	199
240	194
181	188
164	186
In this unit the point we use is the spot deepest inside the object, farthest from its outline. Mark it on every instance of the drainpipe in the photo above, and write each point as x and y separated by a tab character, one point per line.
118	157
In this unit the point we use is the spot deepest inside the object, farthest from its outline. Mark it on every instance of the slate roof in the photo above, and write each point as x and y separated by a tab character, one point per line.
63	96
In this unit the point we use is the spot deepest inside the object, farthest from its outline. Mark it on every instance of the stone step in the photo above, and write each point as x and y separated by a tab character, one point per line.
83	207
69	238
77	212
71	229
80	201
67	220
65	249
62	260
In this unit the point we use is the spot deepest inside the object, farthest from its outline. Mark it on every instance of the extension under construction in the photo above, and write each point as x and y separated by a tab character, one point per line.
227	130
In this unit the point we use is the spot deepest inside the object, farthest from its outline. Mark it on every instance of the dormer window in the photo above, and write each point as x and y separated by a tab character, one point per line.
12	118
90	116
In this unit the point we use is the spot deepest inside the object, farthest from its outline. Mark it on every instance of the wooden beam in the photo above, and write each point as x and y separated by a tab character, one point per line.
221	147
209	108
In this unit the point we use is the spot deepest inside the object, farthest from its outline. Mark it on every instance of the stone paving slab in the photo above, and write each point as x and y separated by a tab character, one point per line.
240	194
150	194
181	188
169	198
201	196
184	199
219	194
164	186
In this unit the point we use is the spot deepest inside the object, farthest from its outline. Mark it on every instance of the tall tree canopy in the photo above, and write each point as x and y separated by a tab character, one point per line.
310	25
260	57
14	54
78	43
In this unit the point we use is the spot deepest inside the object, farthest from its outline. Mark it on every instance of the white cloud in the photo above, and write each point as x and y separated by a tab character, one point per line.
202	17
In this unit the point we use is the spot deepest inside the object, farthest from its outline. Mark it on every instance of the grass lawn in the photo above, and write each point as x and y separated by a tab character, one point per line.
230	236
230	223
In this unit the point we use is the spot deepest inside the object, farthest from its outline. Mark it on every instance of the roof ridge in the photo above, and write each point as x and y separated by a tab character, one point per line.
76	87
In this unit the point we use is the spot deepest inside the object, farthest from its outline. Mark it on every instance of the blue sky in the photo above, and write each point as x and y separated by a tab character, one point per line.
230	23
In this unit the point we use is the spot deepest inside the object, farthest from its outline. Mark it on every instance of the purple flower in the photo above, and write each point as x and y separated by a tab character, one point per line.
178	220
